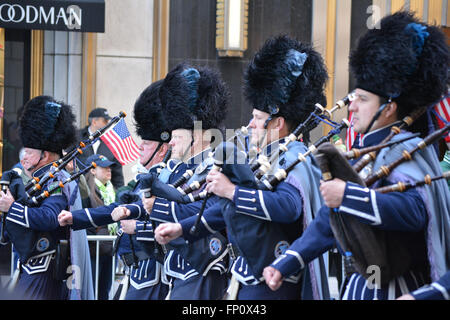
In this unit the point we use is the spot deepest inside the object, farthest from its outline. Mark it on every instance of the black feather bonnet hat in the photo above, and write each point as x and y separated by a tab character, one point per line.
150	124
404	60
286	78
190	94
47	124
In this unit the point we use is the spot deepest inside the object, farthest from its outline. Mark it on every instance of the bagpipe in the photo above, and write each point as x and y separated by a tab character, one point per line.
364	257
46	193
232	163
12	180
364	245
271	182
151	186
164	161
185	195
146	188
405	123
357	153
199	256
28	242
263	163
181	192
36	183
402	186
384	171
239	135
227	152
241	173
271	235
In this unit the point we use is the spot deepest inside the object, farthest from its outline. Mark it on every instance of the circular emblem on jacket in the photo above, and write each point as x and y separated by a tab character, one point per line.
281	248
42	244
215	246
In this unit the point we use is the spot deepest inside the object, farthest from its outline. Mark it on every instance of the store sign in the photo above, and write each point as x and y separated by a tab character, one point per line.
64	15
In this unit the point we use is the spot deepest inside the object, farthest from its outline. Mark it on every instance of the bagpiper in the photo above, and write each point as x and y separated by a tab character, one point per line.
147	280
399	68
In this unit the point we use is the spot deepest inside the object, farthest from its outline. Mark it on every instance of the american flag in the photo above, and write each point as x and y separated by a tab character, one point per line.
442	109
121	143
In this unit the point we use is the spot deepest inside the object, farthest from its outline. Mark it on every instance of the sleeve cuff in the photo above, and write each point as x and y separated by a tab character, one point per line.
187	224
431	292
361	202
136	210
93	217
289	263
18	214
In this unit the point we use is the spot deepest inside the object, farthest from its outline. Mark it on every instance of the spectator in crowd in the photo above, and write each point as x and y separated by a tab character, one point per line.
98	118
101	192
22	166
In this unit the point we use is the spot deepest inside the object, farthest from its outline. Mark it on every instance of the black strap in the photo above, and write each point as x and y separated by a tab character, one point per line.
377	115
154	153
190	146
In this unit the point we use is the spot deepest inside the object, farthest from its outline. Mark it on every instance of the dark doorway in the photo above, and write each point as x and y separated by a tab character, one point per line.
16	93
17	90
